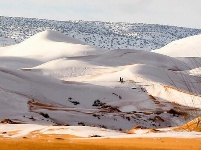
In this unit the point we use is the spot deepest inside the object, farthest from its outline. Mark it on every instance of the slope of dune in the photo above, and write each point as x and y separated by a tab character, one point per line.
18	62
126	57
51	96
164	85
111	61
187	47
193	125
48	45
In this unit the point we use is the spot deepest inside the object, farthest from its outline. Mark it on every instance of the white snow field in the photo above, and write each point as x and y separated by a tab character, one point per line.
52	79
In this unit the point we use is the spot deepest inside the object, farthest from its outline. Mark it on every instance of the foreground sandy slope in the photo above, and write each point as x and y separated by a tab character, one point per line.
64	137
58	142
51	79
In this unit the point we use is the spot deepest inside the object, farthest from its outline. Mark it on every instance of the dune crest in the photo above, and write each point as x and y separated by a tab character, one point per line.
186	47
49	45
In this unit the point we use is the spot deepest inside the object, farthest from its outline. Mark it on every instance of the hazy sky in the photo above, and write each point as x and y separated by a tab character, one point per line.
186	13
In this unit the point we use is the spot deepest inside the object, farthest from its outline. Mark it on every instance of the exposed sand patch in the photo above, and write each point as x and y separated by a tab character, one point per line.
194	125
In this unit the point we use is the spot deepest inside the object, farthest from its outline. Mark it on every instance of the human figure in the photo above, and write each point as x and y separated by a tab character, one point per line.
120	79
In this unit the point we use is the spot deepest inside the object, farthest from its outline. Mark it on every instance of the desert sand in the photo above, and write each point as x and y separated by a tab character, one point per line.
67	142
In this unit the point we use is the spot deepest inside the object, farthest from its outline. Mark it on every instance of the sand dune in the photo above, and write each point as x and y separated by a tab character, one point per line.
187	47
193	125
49	45
54	79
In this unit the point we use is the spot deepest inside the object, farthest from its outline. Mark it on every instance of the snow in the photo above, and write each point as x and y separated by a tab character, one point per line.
13	108
187	47
108	35
82	131
88	132
6	41
18	62
22	129
51	73
50	45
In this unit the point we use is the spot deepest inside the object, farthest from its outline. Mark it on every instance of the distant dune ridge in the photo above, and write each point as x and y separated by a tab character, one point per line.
55	79
50	45
187	47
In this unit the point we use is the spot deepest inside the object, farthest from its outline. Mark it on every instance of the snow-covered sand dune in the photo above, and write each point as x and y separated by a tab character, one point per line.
112	61
54	79
187	47
49	45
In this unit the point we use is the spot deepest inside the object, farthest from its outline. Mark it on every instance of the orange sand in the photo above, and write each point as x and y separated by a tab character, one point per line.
58	142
